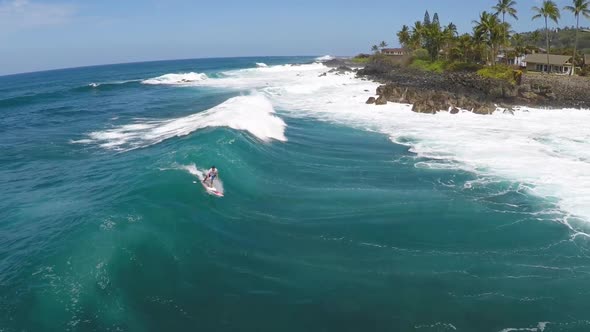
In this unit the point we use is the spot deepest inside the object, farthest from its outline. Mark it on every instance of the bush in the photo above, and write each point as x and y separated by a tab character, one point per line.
435	66
501	72
464	66
421	54
361	59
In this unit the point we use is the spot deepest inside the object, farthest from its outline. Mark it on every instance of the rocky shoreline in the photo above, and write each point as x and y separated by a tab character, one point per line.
430	92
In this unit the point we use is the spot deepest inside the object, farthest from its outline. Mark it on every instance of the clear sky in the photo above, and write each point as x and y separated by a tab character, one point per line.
47	34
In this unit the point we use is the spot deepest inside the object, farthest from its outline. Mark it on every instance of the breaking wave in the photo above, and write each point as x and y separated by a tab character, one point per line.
254	114
325	58
176	79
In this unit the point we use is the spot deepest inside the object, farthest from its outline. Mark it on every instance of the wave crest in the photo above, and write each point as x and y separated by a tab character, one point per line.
254	114
176	79
325	58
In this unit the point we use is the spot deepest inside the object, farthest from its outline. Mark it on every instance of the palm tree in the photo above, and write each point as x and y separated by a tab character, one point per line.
375	49
383	44
491	31
417	35
518	43
450	33
579	7
404	36
548	10
464	45
506	7
433	40
451	29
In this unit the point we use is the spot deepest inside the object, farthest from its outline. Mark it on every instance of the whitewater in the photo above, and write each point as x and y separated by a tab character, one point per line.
547	151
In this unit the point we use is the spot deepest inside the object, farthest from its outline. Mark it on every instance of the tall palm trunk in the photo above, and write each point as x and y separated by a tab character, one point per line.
547	38
575	45
504	27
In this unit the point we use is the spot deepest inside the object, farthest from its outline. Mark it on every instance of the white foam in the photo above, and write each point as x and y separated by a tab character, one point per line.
176	79
541	326
325	58
254	114
548	149
261	65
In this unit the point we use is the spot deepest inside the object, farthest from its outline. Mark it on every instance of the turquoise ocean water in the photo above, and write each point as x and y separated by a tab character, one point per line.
328	224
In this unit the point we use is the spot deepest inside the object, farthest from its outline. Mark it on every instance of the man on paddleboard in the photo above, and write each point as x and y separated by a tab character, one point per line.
211	174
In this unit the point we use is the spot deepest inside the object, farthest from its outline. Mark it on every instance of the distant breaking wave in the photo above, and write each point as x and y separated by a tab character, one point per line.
176	79
261	65
105	85
253	114
325	58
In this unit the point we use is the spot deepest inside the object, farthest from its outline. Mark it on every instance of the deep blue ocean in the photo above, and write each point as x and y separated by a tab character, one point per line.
327	224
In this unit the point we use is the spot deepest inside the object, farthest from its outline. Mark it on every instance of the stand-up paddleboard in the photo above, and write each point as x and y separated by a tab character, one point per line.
211	190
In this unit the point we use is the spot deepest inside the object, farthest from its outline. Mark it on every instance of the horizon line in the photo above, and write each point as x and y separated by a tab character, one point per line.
159	60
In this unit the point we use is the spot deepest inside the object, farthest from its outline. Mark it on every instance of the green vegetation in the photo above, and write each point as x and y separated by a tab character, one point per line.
502	72
361	58
440	66
437	66
561	39
438	47
579	7
548	10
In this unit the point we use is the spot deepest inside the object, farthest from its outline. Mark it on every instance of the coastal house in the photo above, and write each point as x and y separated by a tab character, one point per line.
394	51
559	64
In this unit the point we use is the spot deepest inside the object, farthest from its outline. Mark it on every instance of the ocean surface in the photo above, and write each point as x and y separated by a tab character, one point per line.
337	215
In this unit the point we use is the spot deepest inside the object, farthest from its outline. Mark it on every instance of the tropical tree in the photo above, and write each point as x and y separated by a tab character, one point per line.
433	39
506	7
450	34
578	7
435	19
464	46
417	35
383	44
518	43
375	49
491	31
548	10
404	36
426	18
535	37
478	45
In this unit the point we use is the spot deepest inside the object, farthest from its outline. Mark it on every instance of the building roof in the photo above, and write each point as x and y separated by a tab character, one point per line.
556	60
393	50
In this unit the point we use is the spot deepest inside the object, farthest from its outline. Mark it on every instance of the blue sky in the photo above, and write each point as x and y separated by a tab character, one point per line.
47	34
